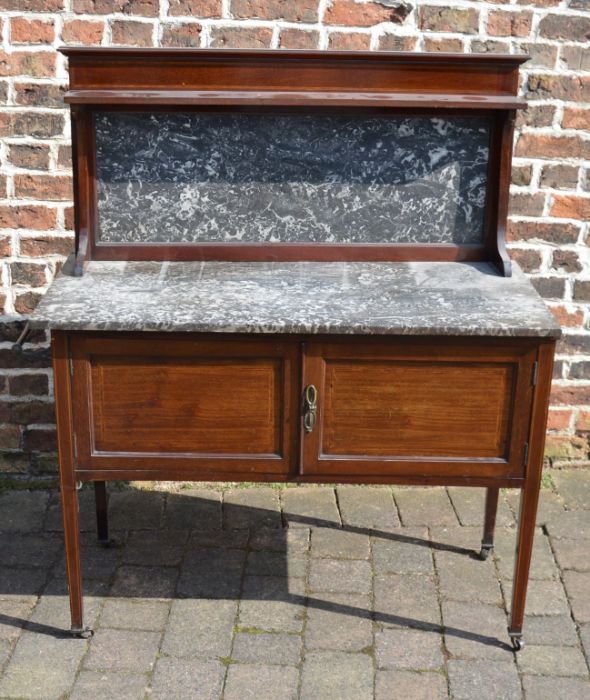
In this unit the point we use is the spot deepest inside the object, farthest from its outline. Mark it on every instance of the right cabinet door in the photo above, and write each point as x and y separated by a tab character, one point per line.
420	407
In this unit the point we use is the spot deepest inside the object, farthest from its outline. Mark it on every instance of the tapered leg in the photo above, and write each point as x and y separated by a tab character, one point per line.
529	500
102	516
487	543
69	505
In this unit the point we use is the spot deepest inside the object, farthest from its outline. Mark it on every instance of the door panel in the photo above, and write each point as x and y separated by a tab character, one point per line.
389	407
226	404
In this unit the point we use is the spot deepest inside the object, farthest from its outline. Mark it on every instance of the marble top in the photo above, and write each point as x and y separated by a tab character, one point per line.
413	298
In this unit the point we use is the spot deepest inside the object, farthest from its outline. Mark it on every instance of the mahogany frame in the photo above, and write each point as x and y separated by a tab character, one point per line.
269	81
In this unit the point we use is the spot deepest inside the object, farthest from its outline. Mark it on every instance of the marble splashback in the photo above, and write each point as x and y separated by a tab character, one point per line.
199	177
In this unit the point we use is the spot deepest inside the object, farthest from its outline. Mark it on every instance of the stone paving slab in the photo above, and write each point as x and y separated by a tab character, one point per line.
304	593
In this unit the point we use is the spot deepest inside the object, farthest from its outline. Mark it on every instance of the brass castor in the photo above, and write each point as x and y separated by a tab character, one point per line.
486	550
517	642
85	633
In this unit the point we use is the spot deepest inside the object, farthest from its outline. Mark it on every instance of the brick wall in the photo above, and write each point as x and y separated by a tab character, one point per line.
550	205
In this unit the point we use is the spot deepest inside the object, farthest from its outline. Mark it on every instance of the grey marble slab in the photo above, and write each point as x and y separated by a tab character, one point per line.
290	178
416	298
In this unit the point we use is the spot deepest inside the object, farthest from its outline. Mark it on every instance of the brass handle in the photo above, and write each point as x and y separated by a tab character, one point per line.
310	408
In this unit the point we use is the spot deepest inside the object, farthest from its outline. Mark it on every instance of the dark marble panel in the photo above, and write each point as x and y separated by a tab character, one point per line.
290	178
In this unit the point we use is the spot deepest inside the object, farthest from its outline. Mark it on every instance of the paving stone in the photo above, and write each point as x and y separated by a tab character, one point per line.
13	617
42	666
338	544
105	685
368	508
543	597
484	680
550	504
144	582
340	576
308	505
5	652
200	628
572	554
405	551
577	586
254	682
193	509
464	578
585	636
410	685
23	511
543	564
135	510
267	648
273	604
21	583
291	540
149	615
152	548
574	487
219	539
212	573
425	507
550	630
29	550
475	631
182	679
123	650
251	508
54	610
548	688
87	512
408	600
97	561
469	505
350	676
276	564
572	524
339	621
408	649
552	661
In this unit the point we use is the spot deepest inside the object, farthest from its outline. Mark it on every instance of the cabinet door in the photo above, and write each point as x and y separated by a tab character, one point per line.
417	407
160	402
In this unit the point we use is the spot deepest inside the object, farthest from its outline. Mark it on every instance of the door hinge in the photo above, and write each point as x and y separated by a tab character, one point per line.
71	365
75	445
525	454
534	373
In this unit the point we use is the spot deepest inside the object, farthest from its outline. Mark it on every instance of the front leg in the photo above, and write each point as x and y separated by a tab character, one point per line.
487	543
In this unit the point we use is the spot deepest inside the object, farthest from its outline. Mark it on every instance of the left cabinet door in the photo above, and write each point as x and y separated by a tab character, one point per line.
158	405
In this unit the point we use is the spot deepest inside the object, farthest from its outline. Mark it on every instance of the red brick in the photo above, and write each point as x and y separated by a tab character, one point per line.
443	19
539	3
354	14
541	55
524	204
26	303
69	218
43	439
30	216
566	447
549	287
31	274
490	47
566	260
349	41
195	8
241	37
37	64
576	118
571	207
576	57
581	290
536	115
5	247
33	156
572	395
529	260
31	31
28	385
179	35
41	246
291	38
64	156
522	174
25	413
445	45
82	31
502	23
289	10
40	95
549	146
32	5
561	177
56	188
559	26
559	420
10	436
143	8
37	124
583	421
566	317
131	33
392	42
559	87
2	303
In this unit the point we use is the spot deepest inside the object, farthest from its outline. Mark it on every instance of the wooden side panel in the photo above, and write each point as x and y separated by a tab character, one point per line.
220	404
413	408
